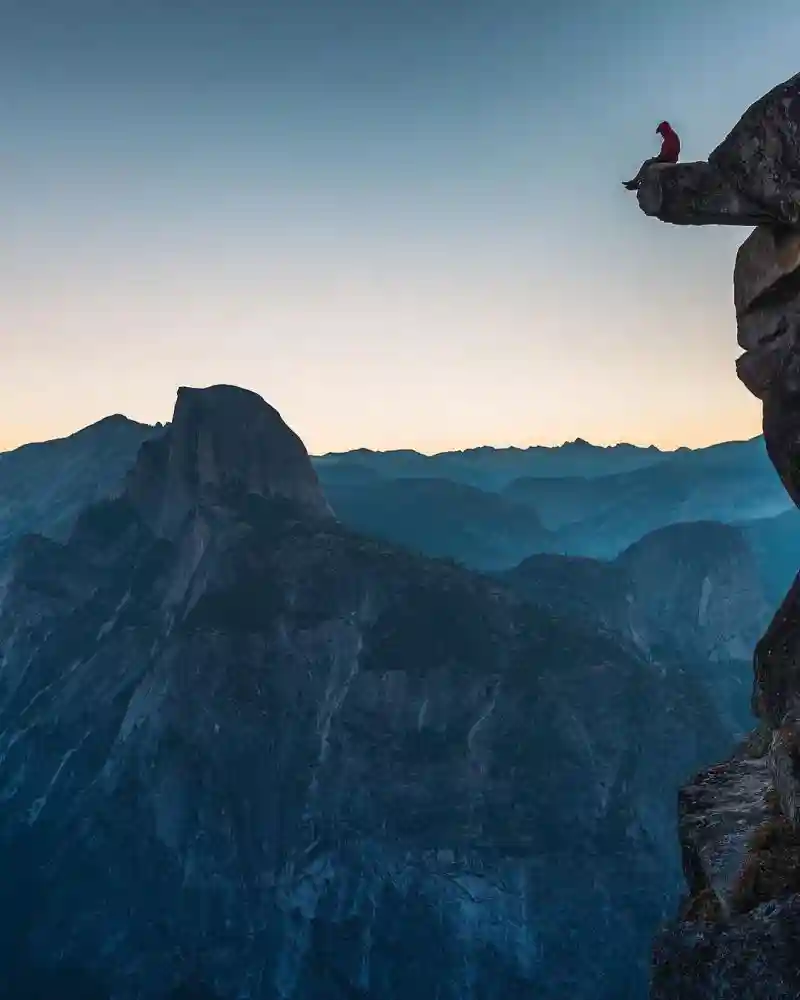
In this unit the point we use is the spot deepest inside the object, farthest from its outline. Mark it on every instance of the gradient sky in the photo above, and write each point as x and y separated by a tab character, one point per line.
400	222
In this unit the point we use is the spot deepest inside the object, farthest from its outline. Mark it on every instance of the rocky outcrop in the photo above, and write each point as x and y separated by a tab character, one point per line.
767	297
223	441
752	177
244	748
739	931
696	194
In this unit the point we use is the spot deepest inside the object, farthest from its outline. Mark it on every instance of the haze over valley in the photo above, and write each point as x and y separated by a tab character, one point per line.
500	646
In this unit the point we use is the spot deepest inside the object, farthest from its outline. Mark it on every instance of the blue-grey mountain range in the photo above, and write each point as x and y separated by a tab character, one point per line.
255	741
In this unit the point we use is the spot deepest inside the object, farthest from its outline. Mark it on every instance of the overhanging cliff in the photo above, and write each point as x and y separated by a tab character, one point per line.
738	934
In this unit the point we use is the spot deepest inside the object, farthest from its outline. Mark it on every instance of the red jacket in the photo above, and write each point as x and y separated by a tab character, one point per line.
670	145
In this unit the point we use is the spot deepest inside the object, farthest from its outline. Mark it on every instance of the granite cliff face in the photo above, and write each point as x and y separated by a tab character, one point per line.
689	595
692	590
248	752
223	443
739	930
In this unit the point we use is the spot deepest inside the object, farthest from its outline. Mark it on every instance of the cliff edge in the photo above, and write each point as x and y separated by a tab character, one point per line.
738	933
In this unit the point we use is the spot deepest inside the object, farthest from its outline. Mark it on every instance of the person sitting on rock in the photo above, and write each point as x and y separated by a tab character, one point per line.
670	152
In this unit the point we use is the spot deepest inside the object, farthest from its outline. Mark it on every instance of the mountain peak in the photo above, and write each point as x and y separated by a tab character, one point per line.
222	439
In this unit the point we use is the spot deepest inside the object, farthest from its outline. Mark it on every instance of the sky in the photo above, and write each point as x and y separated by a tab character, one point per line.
400	222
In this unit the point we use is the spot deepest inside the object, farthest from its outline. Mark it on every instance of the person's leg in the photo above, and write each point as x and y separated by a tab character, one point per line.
631	185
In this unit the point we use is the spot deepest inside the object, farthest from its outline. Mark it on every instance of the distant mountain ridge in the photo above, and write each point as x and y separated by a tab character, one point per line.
579	515
243	746
44	485
485	466
493	468
486	507
692	593
602	515
440	517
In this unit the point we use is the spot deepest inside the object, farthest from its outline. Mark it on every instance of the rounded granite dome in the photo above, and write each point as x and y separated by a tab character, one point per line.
223	440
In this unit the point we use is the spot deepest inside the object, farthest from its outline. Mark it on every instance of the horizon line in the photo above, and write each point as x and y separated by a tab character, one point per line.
579	441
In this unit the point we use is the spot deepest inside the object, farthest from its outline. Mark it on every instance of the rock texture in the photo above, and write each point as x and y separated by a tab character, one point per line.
248	752
752	177
697	194
224	442
739	931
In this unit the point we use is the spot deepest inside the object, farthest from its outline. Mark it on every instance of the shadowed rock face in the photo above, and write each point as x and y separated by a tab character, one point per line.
739	930
689	588
767	298
223	442
44	486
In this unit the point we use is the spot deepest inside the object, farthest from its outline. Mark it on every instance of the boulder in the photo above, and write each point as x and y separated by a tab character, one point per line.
696	194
